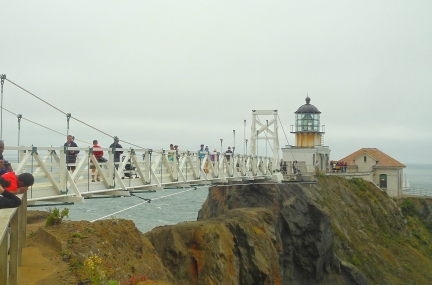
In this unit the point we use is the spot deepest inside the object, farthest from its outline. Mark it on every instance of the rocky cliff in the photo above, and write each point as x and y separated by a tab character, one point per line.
335	231
255	234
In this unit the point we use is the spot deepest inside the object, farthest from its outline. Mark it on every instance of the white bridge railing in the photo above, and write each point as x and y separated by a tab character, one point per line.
139	169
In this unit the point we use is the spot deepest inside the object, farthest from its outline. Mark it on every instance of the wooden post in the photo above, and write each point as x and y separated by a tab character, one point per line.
22	224
14	252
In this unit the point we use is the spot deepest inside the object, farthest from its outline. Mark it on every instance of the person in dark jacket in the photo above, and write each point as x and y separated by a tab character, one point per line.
8	200
71	155
6	166
117	154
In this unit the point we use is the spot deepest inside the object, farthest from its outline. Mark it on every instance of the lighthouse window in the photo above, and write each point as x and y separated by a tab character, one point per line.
307	122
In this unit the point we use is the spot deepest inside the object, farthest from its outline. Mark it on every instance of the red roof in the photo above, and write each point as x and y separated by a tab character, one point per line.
384	160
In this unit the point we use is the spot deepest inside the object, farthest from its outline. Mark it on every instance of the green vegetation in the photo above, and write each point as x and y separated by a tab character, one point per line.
79	235
408	207
55	217
98	272
388	239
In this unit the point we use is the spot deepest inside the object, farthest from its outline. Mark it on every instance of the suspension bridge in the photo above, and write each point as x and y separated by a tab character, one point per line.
140	169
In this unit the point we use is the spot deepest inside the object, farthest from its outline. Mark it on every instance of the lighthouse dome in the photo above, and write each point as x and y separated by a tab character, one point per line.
307	108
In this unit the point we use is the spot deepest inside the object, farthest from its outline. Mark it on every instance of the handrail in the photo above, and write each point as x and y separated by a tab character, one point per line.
12	239
139	169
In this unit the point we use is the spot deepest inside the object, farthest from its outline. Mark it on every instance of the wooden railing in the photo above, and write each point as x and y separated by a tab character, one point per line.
13	237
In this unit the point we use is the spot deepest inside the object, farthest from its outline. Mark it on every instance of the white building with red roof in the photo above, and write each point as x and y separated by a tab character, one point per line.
375	166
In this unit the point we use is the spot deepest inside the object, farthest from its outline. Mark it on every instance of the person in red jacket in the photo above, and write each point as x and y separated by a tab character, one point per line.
98	155
17	183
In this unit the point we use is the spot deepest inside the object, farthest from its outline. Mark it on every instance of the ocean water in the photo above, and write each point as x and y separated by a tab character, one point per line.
172	206
167	207
419	176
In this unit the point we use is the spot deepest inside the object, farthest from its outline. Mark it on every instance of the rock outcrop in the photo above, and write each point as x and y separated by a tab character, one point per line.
254	234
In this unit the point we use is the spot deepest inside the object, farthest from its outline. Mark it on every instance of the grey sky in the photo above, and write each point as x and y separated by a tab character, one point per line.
190	72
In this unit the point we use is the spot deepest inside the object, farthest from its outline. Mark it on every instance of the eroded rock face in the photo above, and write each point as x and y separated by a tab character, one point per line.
254	234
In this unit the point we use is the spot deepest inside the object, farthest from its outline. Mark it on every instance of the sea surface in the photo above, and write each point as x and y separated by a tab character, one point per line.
167	207
419	176
172	206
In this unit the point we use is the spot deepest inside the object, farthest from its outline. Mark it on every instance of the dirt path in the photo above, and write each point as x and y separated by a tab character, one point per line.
42	265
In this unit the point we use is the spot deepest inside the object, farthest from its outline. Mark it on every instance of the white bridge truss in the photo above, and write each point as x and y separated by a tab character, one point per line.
265	131
140	169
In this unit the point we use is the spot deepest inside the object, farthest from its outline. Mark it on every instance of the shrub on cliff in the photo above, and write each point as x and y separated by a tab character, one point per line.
55	217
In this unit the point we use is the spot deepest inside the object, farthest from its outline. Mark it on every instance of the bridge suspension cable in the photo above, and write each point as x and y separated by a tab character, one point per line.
128	208
285	136
80	121
40	125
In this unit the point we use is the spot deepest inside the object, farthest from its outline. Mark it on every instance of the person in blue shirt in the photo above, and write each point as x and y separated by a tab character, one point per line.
201	152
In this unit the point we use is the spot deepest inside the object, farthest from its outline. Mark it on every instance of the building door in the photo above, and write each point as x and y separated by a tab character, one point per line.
383	180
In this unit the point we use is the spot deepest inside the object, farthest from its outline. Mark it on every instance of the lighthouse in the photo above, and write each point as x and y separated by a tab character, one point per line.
309	151
307	126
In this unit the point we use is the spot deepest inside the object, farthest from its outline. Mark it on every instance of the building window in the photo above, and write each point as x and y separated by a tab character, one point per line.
365	158
383	180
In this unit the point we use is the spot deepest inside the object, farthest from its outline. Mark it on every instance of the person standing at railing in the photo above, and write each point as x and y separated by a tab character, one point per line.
201	154
71	155
294	167
7	167
228	154
117	154
206	169
213	156
98	155
171	153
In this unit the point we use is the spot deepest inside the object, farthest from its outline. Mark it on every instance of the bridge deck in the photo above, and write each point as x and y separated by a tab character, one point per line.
140	169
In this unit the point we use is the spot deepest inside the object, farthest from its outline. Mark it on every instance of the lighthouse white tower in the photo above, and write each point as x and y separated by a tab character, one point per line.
309	150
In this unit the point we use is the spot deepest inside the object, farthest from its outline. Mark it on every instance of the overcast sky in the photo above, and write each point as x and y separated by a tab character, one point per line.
190	72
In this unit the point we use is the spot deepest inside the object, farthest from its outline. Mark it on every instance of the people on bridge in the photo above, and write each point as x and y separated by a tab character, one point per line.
213	156
201	152
117	154
98	154
206	168
171	153
17	184
6	166
294	167
228	154
71	154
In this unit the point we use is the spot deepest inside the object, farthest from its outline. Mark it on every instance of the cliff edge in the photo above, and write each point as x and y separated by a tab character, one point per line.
335	231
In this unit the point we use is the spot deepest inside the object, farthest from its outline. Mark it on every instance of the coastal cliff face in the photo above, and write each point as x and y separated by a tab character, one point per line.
254	234
335	231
